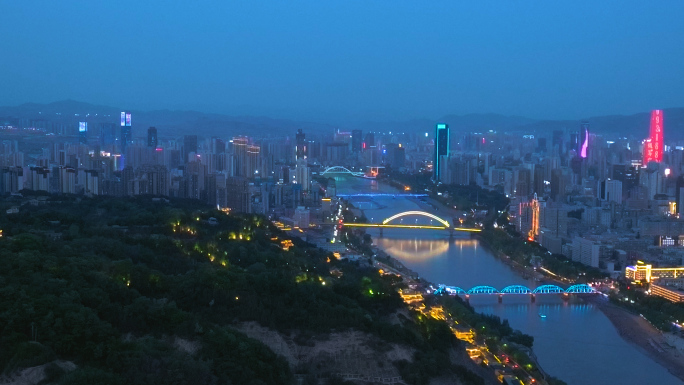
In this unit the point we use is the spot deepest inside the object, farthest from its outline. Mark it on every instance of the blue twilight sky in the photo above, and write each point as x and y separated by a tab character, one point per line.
348	59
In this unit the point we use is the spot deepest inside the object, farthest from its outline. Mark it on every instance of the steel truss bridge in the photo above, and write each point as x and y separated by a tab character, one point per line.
516	289
443	224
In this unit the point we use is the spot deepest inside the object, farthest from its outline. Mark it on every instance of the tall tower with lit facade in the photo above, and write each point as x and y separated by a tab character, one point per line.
583	149
300	145
654	145
126	134
441	148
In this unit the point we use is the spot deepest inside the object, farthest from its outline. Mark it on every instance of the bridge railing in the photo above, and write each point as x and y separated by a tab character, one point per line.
517	289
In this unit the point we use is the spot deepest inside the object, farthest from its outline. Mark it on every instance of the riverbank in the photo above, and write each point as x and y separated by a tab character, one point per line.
639	332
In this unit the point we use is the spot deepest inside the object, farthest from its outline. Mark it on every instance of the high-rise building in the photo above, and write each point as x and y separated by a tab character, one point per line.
237	194
126	130
240	155
218	146
189	145
369	140
152	140
300	146
357	141
441	147
583	144
83	132
557	142
252	165
610	190
654	145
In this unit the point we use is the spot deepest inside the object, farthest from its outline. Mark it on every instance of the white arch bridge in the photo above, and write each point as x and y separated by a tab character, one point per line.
341	170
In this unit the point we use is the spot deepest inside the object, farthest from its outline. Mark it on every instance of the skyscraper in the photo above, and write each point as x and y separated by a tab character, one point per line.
441	147
654	145
240	153
369	140
152	137
189	145
300	146
357	141
583	149
126	134
83	132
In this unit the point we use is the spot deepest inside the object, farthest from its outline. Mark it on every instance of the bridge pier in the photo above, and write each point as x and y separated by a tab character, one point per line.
467	299
451	233
500	298
533	299
566	297
381	232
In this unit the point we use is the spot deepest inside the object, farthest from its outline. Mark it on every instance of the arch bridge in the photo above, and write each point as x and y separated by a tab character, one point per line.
341	170
443	224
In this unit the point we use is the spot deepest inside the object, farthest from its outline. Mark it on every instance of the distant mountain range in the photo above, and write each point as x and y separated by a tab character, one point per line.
175	123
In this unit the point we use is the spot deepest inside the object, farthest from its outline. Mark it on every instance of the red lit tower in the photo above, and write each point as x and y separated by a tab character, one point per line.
654	145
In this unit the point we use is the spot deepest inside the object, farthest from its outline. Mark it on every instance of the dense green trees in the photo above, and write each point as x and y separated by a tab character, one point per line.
114	284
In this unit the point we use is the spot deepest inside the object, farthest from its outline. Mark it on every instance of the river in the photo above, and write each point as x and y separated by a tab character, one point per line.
575	342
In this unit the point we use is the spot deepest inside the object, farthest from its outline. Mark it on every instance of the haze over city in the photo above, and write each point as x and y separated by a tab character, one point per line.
341	193
351	60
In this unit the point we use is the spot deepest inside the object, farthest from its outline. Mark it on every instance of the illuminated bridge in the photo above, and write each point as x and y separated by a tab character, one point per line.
443	224
381	195
341	170
516	289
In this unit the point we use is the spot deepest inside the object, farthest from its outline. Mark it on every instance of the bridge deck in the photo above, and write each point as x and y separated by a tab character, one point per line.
467	229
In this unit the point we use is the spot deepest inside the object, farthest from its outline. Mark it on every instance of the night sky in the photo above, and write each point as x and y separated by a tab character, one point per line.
348	59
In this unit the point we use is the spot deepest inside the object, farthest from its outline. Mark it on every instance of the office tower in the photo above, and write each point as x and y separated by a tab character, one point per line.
461	171
539	179
218	146
557	142
541	145
583	148
369	140
189	146
300	146
397	158
441	147
357	141
237	194
558	185
152	140
107	134
654	145
195	174
302	175
126	130
83	132
610	190
252	164
240	155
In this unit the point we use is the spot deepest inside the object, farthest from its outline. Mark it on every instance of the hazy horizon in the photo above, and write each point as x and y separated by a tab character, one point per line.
348	61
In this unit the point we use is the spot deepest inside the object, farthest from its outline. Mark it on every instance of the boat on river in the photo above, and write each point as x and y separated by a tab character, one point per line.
542	315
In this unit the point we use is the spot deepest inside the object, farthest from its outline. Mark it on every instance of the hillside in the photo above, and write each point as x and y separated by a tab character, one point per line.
175	123
138	291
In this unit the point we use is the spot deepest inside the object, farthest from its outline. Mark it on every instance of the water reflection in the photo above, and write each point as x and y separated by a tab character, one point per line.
421	249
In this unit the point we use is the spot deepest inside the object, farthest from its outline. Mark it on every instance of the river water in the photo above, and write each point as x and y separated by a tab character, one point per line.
575	342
